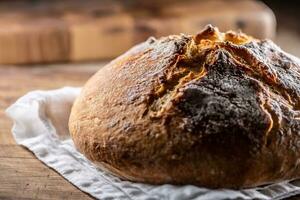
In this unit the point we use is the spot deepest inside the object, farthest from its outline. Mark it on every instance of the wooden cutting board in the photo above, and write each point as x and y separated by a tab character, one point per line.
44	31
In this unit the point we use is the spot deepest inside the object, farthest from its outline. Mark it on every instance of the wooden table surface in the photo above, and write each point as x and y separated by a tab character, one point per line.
22	176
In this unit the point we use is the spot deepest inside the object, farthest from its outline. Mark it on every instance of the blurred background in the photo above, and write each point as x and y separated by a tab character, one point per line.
64	31
288	24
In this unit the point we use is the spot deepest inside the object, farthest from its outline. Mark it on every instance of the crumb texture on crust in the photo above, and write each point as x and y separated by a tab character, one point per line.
215	110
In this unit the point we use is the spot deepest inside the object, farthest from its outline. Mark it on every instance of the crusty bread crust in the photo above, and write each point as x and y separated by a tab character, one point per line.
214	110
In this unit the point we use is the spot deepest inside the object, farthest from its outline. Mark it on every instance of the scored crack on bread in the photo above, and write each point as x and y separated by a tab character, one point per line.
214	110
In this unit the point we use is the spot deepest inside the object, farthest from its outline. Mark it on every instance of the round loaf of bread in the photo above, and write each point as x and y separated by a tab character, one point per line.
214	110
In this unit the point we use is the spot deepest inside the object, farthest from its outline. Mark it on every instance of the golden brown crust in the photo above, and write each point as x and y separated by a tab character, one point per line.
214	110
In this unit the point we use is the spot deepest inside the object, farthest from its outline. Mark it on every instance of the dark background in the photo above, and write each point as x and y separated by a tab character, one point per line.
287	13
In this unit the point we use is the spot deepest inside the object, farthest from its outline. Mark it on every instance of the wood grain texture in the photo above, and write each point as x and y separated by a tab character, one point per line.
22	175
54	31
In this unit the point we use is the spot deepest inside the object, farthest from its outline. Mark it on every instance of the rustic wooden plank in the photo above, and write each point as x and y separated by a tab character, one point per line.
14	151
52	31
15	82
22	175
29	178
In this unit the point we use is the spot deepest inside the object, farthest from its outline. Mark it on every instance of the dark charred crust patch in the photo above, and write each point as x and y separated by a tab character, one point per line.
225	101
225	84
